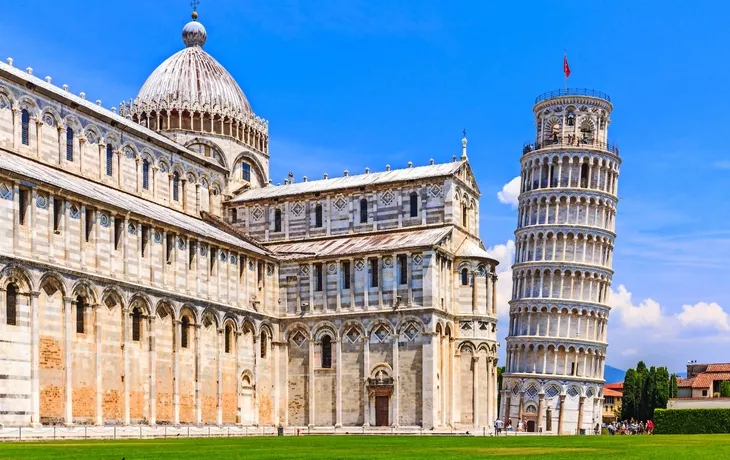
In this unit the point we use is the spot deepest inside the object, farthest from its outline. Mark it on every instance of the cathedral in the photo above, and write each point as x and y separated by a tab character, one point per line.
152	274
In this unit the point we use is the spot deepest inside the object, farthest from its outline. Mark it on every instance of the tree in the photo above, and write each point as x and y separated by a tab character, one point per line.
644	391
628	407
662	389
725	389
673	388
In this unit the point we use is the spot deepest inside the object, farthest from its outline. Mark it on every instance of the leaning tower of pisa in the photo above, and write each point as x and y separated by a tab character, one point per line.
556	344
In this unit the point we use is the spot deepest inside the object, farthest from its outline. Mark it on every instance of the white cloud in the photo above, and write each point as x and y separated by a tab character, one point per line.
707	315
647	331
505	254
510	191
647	313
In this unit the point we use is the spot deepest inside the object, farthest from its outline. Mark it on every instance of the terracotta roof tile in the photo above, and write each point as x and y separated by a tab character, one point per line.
705	379
613	393
719	367
614	386
685	383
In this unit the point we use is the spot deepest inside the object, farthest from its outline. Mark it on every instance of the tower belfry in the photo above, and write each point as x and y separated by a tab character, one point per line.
556	343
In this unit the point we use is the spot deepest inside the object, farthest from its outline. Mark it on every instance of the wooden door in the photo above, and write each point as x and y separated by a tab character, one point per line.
381	411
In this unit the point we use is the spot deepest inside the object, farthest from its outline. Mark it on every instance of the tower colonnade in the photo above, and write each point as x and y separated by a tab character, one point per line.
564	242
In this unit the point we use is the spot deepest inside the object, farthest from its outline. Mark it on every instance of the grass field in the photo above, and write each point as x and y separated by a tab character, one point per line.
381	447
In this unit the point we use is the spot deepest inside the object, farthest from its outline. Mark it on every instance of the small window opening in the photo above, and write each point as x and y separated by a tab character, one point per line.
346	275
318	216
414	204
11	305
326	352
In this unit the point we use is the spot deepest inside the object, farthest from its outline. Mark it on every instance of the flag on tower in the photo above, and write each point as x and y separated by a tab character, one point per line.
566	67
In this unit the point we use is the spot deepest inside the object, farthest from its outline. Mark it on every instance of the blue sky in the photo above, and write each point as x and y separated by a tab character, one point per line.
355	84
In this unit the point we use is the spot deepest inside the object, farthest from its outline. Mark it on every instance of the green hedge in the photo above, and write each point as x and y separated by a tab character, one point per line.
691	421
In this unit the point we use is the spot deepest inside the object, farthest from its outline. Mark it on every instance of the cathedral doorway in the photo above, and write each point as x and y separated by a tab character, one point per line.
530	426
382	404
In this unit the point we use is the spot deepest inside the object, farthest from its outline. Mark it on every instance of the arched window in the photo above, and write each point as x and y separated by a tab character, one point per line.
363	211
414	204
464	215
175	186
25	127
184	331
80	313
136	324
109	160
246	171
570	118
326	352
464	277
277	220
69	144
145	174
228	338
318	216
584	175
264	344
11	305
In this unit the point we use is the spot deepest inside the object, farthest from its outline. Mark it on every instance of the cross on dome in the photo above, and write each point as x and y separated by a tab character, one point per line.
194	34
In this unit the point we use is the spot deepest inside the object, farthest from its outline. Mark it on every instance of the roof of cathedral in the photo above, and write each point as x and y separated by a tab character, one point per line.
116	198
98	110
472	249
346	182
351	245
193	80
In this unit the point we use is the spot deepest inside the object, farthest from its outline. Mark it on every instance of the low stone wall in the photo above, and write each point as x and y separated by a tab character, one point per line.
51	433
698	403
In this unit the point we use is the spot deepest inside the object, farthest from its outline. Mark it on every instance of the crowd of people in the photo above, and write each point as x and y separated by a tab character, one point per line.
630	427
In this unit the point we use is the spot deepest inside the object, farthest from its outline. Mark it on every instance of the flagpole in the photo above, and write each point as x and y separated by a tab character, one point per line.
565	57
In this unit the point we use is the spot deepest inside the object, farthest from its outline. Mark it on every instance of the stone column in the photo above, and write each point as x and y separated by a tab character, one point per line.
490	392
338	385
198	392
581	404
35	402
338	273
366	374
219	372
429	396
454	360
176	331
153	369
474	304
68	316
125	357
475	375
239	371
561	414
409	261
310	383
540	412
507	408
380	281
521	407
99	385
396	381
494	295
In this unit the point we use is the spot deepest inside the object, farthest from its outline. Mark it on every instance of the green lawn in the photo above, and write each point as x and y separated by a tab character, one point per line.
382	447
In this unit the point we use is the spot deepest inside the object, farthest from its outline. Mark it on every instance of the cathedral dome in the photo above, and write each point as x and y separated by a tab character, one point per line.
192	79
190	91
